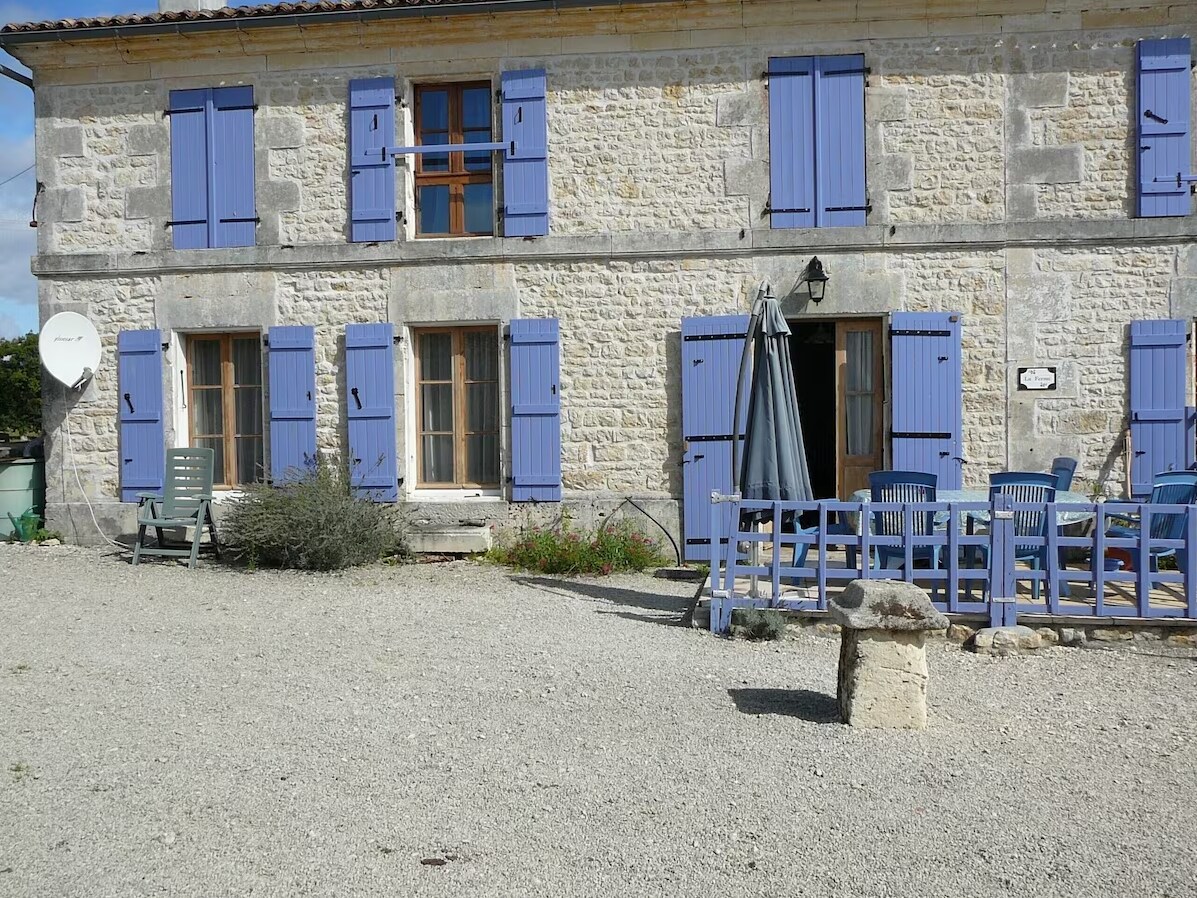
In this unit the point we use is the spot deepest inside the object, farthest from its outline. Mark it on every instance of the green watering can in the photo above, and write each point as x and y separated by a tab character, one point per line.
26	525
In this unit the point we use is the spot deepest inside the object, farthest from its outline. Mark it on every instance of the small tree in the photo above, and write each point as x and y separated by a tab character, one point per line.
20	386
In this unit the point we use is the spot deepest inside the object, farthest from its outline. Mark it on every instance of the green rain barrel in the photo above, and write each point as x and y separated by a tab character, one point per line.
22	486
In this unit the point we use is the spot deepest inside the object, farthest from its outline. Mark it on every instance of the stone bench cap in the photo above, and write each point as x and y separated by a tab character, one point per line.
892	605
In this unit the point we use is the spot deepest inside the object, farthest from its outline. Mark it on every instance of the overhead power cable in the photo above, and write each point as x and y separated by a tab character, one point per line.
18	174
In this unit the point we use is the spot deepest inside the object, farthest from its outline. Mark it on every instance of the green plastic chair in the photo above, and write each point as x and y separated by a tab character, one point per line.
186	501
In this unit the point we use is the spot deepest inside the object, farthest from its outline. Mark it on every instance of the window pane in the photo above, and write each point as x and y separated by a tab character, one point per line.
434	110
430	162
216	444
859	409
482	407
479	208
475	107
859	349
482	462
434	209
209	412
249	459
477	161
247	361
481	355
205	362
438	459
436	356
437	405
249	411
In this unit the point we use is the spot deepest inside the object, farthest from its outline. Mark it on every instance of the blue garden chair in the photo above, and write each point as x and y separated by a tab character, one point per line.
1170	488
1063	469
1030	488
906	487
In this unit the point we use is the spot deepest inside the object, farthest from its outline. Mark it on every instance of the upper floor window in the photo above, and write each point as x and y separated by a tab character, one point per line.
454	190
817	142
212	167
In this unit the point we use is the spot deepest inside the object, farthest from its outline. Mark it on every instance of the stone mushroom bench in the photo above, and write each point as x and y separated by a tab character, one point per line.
883	655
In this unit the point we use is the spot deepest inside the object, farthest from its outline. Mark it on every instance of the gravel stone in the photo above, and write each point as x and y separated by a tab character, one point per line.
223	733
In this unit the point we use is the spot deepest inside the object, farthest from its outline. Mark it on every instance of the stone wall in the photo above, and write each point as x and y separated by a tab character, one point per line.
1000	167
976	127
620	339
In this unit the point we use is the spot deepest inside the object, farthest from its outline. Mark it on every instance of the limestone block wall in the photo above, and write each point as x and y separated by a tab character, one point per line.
1067	307
329	300
649	128
92	446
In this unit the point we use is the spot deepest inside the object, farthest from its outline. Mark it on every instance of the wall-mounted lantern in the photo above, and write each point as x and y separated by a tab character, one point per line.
815	279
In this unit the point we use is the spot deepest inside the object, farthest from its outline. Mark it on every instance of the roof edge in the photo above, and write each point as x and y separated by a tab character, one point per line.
314	17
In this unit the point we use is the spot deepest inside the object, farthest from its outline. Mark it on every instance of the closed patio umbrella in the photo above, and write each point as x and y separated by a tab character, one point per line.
774	456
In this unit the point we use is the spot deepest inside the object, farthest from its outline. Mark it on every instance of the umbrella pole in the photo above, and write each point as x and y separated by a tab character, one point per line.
754	323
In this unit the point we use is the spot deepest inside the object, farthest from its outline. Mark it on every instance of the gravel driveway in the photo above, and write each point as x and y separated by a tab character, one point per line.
216	733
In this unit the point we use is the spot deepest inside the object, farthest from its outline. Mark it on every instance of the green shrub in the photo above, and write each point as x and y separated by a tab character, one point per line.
757	624
313	523
563	550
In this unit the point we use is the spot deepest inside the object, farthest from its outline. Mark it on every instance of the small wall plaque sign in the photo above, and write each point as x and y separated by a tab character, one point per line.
1036	378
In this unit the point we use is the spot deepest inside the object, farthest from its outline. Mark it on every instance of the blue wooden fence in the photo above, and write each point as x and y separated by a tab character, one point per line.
972	561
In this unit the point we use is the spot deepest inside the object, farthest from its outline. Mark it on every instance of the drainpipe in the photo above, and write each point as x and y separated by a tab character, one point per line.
16	76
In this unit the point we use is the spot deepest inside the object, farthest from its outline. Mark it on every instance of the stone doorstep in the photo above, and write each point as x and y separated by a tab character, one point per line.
449	540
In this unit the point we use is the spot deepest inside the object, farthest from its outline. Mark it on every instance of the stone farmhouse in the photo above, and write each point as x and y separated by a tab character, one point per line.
269	215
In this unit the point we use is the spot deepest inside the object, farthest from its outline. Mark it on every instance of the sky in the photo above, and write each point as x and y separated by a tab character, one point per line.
18	289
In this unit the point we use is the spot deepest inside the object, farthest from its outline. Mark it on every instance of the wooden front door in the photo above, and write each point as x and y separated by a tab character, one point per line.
859	403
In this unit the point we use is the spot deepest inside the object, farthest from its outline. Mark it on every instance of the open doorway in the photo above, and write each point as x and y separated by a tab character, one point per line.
812	351
838	374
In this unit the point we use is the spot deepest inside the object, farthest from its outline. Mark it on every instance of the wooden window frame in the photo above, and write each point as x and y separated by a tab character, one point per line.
457	176
228	388
459	392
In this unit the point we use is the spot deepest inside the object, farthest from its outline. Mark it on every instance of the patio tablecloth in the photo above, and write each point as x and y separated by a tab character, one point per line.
1063	518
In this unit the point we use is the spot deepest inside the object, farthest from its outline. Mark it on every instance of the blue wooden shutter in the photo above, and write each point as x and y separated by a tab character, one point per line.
370	400
139	385
535	411
1165	164
234	213
791	142
526	162
927	395
189	168
291	360
371	165
711	350
840	141
1162	428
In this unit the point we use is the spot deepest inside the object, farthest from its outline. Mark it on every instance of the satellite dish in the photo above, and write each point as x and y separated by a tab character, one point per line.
70	349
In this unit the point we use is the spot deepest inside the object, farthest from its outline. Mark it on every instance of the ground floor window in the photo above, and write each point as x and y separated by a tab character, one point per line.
224	404
457	406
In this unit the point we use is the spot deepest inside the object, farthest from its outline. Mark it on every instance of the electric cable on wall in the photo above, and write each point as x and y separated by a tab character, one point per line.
66	426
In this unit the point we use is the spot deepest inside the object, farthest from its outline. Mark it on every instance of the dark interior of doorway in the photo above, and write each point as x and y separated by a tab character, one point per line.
812	351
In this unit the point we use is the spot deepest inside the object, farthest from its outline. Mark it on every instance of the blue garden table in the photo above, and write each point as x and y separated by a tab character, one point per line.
981	516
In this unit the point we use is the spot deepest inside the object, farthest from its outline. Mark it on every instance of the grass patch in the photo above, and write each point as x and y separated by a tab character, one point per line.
19	771
564	550
316	522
